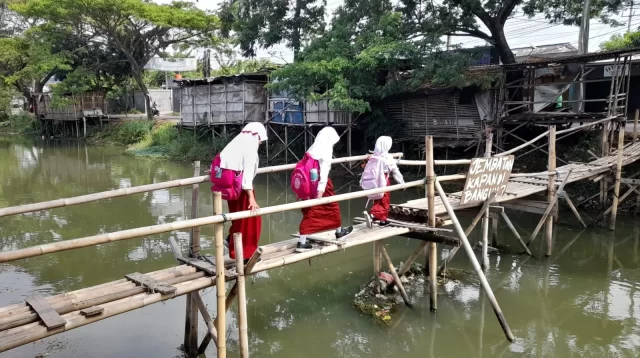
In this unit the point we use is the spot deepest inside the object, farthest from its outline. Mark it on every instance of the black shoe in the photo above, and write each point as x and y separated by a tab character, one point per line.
383	223
227	240
344	231
300	247
246	261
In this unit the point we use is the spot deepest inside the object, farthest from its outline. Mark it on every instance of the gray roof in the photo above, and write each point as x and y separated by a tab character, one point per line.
545	51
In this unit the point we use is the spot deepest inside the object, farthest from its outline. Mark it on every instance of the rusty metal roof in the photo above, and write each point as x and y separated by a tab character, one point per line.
603	55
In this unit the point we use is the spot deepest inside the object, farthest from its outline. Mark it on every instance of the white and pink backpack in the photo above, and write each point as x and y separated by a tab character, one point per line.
373	176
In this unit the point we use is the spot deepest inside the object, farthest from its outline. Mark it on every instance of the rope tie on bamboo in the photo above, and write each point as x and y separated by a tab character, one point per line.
224	218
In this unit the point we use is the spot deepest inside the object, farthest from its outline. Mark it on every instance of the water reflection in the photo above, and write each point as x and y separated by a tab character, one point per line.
583	301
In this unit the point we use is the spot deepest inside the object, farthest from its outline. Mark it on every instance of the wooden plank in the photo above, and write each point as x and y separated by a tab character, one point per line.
431	237
496	209
92	311
47	314
150	283
630	181
204	266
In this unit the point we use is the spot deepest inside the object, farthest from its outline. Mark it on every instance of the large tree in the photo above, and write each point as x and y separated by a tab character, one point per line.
265	23
485	19
138	29
368	55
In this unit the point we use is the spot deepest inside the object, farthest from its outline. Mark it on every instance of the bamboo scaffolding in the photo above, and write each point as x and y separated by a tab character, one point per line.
474	262
396	278
191	316
485	218
242	298
58	203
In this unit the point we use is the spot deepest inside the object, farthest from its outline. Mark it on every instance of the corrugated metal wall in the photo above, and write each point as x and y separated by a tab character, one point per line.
439	115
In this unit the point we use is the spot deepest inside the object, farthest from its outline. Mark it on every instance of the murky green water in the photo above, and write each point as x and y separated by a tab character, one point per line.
582	302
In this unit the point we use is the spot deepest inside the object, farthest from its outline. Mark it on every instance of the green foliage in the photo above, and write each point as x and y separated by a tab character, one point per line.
366	56
569	12
131	132
265	23
617	42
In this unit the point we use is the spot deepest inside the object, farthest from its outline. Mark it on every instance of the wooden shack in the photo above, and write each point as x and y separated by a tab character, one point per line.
223	100
78	106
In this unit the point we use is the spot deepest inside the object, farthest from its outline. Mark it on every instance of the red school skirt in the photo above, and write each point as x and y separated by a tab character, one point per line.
322	217
380	208
250	228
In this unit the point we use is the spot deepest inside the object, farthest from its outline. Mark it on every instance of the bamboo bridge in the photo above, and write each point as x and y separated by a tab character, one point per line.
427	220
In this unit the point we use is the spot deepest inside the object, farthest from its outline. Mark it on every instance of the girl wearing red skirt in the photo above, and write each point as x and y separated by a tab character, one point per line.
380	210
241	156
322	217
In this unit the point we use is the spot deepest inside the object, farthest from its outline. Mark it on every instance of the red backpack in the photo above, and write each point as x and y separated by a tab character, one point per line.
304	179
225	181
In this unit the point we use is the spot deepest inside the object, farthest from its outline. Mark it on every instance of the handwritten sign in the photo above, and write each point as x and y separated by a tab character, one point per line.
487	176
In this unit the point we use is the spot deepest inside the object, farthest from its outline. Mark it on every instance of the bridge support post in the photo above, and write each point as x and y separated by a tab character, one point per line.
433	247
551	188
218	232
616	188
485	218
191	321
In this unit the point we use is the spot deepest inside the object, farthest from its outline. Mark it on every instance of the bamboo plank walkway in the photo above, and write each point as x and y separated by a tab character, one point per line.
520	187
20	325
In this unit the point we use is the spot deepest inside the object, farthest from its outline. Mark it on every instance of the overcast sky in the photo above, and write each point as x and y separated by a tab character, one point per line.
520	31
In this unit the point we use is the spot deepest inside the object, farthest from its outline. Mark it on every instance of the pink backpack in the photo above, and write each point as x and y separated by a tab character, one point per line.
225	181
304	179
373	176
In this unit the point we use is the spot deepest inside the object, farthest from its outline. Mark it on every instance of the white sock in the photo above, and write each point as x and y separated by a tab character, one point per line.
302	239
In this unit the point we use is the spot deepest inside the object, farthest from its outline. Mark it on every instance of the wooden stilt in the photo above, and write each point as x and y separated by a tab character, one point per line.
396	278
412	258
632	189
212	334
515	232
493	218
468	231
551	186
433	247
376	265
242	299
220	282
616	188
552	203
635	125
567	199
485	218
191	321
476	265
84	124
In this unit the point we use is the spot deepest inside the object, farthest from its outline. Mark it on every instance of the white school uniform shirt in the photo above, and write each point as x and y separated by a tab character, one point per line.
241	154
383	145
322	151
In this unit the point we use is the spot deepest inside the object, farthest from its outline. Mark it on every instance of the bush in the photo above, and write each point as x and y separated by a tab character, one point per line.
164	134
132	132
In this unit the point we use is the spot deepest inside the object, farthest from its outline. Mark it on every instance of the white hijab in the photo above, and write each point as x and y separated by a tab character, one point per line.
243	149
322	148
382	148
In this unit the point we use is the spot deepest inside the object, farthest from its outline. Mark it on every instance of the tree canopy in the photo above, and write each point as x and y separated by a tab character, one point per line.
137	29
369	54
626	41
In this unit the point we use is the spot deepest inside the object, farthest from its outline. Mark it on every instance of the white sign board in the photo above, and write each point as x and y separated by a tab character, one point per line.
173	64
487	176
614	70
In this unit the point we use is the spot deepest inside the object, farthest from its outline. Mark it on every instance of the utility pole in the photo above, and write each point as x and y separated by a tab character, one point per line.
449	38
583	40
630	16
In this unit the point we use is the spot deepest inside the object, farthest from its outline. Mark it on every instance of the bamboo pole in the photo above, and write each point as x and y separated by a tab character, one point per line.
632	189
396	278
220	289
407	264
191	316
551	186
185	224
242	298
58	203
474	262
485	218
635	125
420	163
376	266
616	188
574	209
432	246
212	334
468	231
515	232
552	202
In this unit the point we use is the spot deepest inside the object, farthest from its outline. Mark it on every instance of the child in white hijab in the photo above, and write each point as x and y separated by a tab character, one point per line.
380	209
241	156
322	217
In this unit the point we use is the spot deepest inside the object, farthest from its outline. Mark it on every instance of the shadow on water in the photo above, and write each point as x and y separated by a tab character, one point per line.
583	301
